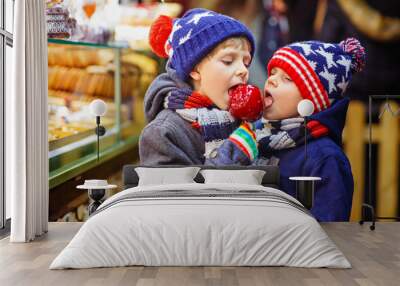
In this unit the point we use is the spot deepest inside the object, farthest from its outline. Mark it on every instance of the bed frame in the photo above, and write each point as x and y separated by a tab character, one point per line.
270	179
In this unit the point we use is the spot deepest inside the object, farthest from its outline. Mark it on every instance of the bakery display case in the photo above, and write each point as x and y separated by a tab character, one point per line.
97	53
79	72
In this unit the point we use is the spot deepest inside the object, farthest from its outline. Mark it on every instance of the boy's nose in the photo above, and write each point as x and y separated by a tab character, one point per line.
243	72
271	81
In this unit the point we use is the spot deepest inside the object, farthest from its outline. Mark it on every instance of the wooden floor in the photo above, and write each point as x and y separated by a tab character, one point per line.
374	255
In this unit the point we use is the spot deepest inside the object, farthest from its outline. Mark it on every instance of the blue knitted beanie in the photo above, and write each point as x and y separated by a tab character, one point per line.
195	35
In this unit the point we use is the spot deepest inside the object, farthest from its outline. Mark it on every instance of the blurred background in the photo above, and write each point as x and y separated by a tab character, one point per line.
99	49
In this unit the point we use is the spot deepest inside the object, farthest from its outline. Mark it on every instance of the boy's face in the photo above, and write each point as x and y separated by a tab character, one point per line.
226	67
281	96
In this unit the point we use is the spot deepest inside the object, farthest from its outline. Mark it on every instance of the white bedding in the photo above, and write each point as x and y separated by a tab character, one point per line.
268	228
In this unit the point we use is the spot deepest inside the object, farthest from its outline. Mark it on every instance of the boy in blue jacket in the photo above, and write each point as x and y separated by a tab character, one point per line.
319	72
208	53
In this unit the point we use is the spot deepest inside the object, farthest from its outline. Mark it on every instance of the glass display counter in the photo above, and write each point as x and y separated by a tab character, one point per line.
78	73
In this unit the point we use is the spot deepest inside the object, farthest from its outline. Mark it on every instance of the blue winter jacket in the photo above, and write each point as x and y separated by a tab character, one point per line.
325	159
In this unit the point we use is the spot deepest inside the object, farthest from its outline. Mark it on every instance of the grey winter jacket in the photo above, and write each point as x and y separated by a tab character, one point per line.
169	139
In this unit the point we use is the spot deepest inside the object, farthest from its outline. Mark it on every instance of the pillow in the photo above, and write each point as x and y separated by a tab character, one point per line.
249	177
162	176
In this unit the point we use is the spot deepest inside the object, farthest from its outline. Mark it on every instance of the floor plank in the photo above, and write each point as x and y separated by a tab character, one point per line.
374	255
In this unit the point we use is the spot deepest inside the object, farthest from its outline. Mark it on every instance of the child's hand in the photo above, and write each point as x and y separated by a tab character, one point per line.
245	139
215	126
246	102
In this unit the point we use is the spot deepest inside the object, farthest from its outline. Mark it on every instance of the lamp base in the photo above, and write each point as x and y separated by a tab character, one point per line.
100	130
305	189
96	195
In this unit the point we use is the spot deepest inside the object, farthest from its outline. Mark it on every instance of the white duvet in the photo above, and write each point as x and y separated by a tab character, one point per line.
253	230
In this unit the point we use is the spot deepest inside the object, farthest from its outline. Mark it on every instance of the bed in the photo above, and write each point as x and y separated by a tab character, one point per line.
201	223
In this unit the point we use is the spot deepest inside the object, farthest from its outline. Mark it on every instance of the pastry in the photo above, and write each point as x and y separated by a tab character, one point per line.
57	22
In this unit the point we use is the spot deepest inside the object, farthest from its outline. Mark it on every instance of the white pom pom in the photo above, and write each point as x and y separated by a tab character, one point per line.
98	107
305	107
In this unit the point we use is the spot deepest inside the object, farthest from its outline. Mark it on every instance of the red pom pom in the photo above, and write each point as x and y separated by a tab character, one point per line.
354	48
159	33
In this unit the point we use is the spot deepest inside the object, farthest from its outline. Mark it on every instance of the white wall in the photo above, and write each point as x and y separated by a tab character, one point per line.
9	14
9	28
8	93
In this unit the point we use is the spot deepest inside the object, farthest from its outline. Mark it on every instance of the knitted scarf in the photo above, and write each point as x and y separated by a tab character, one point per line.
284	134
214	124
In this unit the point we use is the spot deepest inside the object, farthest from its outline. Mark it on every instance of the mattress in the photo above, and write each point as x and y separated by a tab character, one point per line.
201	225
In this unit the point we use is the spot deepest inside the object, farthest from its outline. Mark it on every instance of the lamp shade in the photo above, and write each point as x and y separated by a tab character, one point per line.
305	107
98	107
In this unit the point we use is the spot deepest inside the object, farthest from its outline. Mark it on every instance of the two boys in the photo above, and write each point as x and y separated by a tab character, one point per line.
208	54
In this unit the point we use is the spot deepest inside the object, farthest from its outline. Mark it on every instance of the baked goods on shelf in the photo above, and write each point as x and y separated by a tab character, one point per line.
135	23
57	131
148	66
79	74
97	81
144	15
69	114
59	55
59	24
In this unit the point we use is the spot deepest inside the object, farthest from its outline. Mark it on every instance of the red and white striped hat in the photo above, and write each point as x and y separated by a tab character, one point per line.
321	71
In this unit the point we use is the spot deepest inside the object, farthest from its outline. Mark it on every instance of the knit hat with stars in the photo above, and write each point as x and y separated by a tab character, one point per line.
321	71
187	40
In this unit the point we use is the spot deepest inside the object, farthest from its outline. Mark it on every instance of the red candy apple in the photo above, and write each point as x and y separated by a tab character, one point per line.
246	102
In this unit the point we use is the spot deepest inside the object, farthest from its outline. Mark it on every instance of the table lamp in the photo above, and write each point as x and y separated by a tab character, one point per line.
98	108
305	185
96	191
305	108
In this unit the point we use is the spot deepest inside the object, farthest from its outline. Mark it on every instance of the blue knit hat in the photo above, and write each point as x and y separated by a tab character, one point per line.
190	38
321	71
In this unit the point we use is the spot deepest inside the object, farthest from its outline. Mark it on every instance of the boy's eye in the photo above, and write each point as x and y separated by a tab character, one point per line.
227	62
288	78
